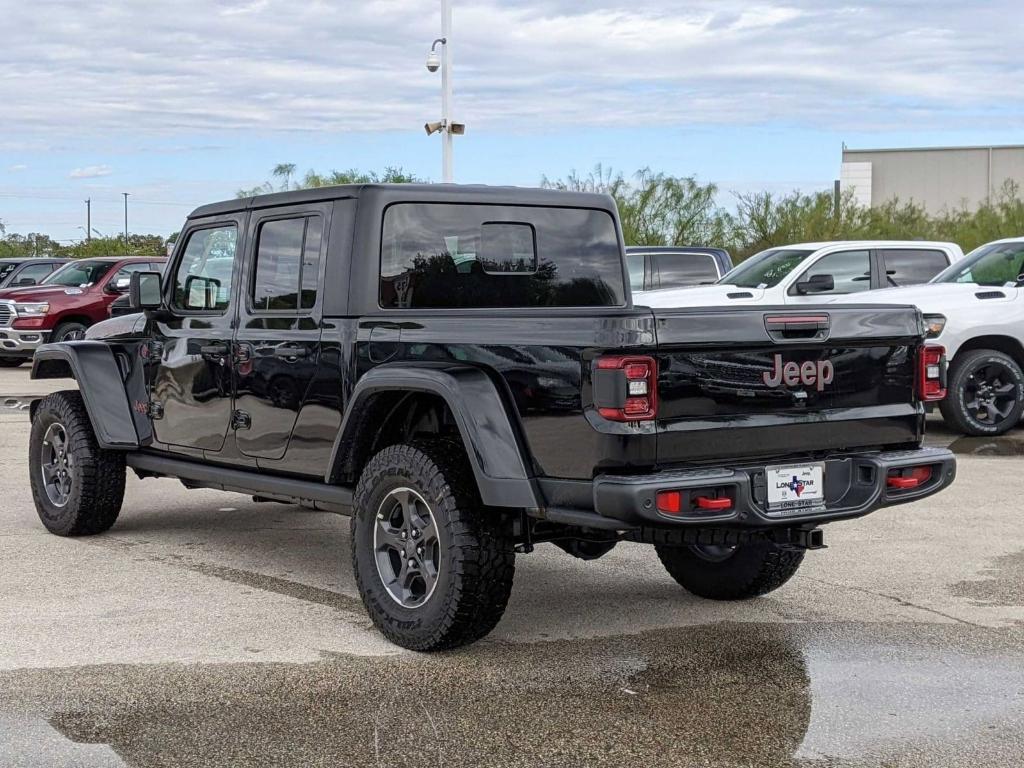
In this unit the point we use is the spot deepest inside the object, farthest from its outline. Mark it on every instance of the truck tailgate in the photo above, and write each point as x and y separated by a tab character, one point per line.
740	383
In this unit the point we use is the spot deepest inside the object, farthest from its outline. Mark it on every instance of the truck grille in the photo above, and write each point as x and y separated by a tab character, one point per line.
6	315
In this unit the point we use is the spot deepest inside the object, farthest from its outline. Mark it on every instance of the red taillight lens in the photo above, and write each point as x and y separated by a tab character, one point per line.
931	376
670	502
905	479
629	391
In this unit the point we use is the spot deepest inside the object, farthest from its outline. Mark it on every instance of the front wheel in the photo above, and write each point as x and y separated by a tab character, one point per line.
77	486
730	573
986	393
68	332
433	566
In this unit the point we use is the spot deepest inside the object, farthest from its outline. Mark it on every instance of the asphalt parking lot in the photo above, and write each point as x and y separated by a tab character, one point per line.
206	629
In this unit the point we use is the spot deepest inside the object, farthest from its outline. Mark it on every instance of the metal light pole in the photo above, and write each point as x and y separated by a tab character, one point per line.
446	91
125	222
88	219
446	126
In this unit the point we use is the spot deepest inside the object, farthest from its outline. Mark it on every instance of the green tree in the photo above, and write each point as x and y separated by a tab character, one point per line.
285	171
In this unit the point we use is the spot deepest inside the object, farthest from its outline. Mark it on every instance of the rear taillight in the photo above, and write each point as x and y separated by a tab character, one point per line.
931	373
905	479
626	388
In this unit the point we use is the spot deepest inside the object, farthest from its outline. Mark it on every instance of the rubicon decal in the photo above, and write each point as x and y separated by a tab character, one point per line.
811	373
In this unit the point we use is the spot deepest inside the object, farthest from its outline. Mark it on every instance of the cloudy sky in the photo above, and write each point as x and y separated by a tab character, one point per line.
184	102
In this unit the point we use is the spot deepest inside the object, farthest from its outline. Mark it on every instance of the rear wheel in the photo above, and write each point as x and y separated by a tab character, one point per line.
730	573
77	486
433	566
986	393
68	332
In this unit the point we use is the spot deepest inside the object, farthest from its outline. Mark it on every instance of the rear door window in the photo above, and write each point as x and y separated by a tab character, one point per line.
287	264
907	266
851	271
681	269
441	256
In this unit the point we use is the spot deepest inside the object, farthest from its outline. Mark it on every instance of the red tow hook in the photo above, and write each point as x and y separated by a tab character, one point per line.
916	477
706	502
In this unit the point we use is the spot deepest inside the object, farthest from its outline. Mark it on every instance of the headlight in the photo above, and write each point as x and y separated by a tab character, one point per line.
31	310
933	325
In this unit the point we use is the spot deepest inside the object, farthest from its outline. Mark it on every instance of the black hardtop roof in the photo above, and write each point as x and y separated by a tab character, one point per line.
466	193
674	249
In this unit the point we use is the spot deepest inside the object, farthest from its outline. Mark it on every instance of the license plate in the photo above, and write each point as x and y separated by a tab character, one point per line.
795	486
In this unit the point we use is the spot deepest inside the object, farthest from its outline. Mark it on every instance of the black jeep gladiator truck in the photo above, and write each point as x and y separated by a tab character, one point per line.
462	370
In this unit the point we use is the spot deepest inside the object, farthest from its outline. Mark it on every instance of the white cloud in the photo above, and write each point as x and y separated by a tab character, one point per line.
91	172
258	66
17	167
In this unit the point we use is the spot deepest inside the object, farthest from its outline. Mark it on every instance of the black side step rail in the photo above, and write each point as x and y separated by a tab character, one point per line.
332	498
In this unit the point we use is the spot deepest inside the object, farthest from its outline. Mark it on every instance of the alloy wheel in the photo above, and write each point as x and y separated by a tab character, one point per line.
406	547
56	464
990	393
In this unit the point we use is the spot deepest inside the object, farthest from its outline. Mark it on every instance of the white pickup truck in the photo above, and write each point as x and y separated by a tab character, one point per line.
808	272
975	309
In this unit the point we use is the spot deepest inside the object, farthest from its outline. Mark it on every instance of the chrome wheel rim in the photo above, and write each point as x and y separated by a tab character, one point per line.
74	335
713	553
990	394
56	465
406	548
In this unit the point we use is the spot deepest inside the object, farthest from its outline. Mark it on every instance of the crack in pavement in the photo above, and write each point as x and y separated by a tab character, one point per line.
901	601
274	584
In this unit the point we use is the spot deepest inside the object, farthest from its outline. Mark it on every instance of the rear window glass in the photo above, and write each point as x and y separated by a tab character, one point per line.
442	256
679	269
6	267
906	266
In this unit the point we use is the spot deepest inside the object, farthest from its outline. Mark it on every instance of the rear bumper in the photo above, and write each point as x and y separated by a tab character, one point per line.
21	343
855	485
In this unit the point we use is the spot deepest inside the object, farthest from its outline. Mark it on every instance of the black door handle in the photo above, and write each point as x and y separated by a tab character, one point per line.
290	352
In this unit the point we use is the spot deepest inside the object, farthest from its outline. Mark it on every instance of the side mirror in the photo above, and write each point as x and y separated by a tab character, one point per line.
121	285
144	291
201	292
816	284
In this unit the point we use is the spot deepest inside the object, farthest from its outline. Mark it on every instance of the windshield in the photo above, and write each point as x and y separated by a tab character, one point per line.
993	264
78	273
766	268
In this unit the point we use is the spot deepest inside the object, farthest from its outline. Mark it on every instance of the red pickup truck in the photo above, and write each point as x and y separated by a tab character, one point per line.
63	305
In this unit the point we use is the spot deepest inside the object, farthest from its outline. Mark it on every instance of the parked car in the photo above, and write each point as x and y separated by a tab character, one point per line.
461	369
975	309
804	273
63	305
26	271
653	268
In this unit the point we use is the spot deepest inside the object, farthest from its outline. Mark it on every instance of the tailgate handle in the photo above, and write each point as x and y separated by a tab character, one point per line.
797	327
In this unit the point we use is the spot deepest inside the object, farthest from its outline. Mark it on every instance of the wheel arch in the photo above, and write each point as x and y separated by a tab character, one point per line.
392	401
1008	345
93	365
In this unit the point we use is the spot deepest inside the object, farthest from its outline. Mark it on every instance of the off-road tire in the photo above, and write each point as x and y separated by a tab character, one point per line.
954	408
97	476
753	569
61	332
11	362
477	559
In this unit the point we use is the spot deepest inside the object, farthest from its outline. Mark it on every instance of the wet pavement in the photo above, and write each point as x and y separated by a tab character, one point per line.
209	630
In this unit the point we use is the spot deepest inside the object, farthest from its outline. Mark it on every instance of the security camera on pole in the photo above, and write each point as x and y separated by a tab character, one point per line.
444	62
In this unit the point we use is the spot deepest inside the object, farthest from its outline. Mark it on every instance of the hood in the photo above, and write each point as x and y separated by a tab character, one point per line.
698	296
40	292
932	298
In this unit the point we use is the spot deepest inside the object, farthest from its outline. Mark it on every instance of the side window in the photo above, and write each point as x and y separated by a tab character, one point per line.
209	256
447	256
287	264
122	279
851	271
635	262
912	266
679	269
34	272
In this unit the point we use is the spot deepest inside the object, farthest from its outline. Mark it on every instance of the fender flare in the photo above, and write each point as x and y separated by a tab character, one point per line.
93	366
482	417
